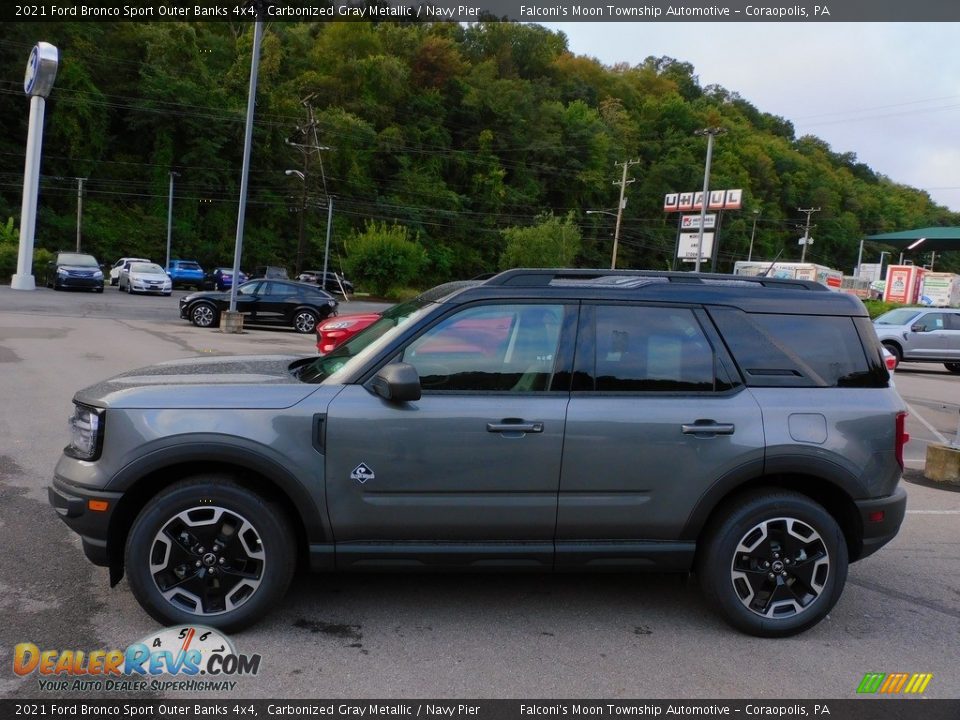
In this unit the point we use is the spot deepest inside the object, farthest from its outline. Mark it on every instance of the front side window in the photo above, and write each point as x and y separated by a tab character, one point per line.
931	322
651	349
492	348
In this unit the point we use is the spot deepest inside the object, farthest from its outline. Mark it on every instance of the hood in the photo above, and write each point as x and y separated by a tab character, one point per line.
79	268
233	382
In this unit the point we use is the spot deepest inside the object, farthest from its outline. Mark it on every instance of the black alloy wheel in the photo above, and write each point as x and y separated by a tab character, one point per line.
208	550
773	562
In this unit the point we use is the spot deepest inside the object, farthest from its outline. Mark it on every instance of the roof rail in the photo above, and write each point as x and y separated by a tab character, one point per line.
544	277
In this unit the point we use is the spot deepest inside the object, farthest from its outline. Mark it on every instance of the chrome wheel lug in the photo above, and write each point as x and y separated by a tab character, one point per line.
199	563
766	563
771	576
222	560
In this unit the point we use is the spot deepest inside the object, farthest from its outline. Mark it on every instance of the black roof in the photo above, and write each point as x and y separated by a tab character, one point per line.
753	294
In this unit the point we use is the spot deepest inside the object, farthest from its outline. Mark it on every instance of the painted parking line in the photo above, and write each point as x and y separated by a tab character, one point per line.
928	426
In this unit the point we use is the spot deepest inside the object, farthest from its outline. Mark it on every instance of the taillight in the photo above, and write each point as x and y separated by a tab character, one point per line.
902	437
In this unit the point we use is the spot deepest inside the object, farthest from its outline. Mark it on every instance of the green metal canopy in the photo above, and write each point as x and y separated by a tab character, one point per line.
938	239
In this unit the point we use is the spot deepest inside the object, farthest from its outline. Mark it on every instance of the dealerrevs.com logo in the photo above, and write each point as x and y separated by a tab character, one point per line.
894	683
200	657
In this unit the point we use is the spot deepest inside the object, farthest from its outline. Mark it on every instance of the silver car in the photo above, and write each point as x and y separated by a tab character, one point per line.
144	277
917	334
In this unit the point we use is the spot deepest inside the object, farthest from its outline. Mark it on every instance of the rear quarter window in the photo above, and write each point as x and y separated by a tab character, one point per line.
781	350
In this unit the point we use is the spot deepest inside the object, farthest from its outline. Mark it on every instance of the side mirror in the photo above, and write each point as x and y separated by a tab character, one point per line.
919	327
397	382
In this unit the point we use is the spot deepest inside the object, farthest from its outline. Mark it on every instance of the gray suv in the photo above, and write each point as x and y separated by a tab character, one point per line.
566	420
922	334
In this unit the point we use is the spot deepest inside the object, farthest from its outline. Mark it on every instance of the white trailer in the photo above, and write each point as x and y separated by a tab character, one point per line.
833	279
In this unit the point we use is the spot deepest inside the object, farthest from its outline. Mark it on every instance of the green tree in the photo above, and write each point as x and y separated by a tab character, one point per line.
552	242
383	257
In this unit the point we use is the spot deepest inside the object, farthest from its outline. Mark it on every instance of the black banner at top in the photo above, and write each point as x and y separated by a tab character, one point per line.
483	10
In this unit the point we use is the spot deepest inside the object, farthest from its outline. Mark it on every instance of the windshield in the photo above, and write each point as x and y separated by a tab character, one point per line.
77	259
900	316
147	269
365	343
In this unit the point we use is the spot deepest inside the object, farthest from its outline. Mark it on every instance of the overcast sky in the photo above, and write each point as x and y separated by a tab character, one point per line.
888	92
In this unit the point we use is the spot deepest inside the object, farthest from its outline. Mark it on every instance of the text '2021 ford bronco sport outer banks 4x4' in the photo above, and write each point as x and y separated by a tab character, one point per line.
543	419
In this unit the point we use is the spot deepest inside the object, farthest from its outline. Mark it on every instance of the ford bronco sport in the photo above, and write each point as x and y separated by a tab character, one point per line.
568	420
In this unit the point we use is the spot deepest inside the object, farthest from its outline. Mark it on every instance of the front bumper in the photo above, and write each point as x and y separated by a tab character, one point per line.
72	281
73	505
881	519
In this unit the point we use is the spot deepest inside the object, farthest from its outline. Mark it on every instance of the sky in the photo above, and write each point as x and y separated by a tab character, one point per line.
888	92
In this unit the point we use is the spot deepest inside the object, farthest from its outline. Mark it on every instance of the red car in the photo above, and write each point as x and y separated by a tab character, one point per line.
335	330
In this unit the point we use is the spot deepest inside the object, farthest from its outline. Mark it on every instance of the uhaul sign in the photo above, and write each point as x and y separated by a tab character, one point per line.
716	200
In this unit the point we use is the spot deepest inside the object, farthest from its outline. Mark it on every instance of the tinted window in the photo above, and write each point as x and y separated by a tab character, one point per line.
796	350
651	349
77	259
280	290
489	348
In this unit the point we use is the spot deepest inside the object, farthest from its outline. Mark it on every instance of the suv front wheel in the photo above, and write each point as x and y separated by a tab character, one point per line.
773	563
207	550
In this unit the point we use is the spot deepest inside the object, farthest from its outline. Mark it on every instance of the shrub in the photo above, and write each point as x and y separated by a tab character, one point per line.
384	256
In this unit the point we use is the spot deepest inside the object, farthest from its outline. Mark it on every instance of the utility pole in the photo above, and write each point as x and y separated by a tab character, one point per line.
79	208
308	144
623	187
710	132
805	240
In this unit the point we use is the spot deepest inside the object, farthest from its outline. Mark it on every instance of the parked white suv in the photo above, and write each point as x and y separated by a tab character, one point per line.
119	265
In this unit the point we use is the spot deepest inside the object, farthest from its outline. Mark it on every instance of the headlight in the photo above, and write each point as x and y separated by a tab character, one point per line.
339	325
98	275
86	433
62	273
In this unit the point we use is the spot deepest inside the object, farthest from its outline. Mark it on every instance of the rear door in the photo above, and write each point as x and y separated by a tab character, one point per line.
654	421
472	469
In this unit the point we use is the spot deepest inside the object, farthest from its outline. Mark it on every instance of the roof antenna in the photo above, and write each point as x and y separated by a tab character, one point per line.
767	271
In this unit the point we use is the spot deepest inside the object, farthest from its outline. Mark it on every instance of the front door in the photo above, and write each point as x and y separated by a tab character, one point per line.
470	472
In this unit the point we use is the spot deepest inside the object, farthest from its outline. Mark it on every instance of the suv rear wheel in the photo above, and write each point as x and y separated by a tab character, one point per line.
773	563
304	321
953	367
209	551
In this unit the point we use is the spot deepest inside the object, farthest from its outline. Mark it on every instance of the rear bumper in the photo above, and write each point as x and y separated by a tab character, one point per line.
881	519
72	504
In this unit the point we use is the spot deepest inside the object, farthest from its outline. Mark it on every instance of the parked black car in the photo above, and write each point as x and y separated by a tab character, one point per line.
276	302
74	270
330	282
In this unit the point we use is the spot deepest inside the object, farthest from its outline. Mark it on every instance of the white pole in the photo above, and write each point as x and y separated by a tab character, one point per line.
326	248
706	194
24	279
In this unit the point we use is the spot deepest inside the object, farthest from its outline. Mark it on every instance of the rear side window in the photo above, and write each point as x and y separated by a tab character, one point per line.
779	350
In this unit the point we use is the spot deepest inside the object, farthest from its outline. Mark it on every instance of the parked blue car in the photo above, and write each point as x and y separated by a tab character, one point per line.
185	272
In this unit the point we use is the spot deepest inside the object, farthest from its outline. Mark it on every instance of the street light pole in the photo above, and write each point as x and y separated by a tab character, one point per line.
613	258
326	247
710	133
173	174
756	214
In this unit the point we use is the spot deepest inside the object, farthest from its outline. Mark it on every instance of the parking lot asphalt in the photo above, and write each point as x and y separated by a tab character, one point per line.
479	636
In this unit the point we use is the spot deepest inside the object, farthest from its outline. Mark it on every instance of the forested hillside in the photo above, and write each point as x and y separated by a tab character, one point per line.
454	134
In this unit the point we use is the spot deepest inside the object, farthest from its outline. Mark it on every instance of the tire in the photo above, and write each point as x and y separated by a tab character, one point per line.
953	367
98	290
207	550
773	563
204	315
304	321
895	351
